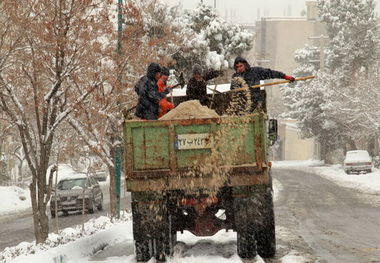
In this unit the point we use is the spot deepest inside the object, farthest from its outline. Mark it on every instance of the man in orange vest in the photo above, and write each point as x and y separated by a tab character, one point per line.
165	105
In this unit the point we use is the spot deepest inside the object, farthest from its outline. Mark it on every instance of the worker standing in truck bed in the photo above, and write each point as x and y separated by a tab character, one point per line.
252	76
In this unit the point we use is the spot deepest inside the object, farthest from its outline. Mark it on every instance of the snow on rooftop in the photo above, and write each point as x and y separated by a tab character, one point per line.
65	171
285	18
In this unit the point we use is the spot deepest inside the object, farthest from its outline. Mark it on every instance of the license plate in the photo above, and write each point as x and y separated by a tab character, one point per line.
193	141
69	203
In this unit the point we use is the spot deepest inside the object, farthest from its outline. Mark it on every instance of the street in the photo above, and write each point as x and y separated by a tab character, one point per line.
315	218
19	228
330	223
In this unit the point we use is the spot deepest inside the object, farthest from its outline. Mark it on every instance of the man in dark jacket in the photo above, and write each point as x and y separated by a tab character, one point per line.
149	96
197	85
252	76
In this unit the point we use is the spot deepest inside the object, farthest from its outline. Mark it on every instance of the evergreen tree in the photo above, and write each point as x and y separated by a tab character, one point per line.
351	26
351	57
333	107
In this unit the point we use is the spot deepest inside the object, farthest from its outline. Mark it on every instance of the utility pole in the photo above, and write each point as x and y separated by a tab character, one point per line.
117	144
215	4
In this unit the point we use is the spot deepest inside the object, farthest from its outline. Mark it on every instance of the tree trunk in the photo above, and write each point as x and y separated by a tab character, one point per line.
40	218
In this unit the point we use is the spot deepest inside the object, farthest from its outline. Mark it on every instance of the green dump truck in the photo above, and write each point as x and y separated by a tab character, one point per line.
200	175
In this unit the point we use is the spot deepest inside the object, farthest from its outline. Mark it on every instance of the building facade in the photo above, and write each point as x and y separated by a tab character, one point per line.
276	40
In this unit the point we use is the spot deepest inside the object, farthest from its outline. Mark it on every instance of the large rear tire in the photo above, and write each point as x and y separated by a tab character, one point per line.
246	243
265	230
152	230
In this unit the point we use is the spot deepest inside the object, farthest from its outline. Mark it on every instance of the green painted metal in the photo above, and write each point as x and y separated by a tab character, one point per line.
150	145
150	148
118	151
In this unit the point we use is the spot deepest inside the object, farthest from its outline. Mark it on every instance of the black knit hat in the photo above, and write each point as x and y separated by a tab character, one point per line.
197	69
242	60
165	71
153	68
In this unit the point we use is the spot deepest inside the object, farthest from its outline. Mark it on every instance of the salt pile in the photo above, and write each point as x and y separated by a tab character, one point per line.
191	109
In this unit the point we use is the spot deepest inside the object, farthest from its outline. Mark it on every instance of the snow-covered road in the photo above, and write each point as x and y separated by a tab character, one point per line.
321	216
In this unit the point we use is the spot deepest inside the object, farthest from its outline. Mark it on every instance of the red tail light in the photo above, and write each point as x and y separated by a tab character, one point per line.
368	163
349	163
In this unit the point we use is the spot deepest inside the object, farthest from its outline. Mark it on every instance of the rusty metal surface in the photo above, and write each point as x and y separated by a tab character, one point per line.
239	176
258	152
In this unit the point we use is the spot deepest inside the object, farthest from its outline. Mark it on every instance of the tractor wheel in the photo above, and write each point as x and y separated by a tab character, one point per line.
265	230
152	230
246	243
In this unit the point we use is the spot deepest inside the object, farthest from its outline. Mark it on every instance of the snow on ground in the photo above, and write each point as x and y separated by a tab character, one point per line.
277	188
294	257
13	199
367	183
72	245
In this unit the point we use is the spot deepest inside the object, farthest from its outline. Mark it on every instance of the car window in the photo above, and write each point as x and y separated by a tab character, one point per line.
72	184
357	155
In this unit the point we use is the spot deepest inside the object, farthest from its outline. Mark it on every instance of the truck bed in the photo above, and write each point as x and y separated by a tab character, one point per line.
170	155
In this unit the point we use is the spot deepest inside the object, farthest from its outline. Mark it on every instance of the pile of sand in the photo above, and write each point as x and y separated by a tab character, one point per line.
191	109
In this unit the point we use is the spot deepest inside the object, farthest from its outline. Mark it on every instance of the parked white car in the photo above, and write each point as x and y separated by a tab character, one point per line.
357	161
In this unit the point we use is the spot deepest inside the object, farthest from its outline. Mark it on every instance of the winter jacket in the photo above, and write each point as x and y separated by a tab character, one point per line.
197	90
149	97
165	105
252	76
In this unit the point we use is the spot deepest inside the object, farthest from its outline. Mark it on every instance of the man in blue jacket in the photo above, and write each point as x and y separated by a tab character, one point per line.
252	76
149	97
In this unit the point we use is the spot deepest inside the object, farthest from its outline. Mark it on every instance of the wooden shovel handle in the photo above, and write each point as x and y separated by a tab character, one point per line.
270	84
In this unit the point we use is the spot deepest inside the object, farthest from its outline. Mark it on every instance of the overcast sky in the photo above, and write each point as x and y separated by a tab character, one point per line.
246	11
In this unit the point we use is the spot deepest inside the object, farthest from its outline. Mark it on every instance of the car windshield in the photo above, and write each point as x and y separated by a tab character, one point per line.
69	184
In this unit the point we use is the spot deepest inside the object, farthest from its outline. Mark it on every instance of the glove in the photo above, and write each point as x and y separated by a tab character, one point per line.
290	78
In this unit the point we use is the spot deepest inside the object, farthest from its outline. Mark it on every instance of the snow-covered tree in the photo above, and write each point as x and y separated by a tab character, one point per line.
53	55
351	26
308	65
332	107
351	56
309	102
210	41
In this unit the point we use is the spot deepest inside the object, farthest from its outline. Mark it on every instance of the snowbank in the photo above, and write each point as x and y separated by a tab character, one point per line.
13	199
367	183
72	244
296	164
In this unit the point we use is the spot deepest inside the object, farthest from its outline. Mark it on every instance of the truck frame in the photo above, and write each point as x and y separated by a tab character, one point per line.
200	175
